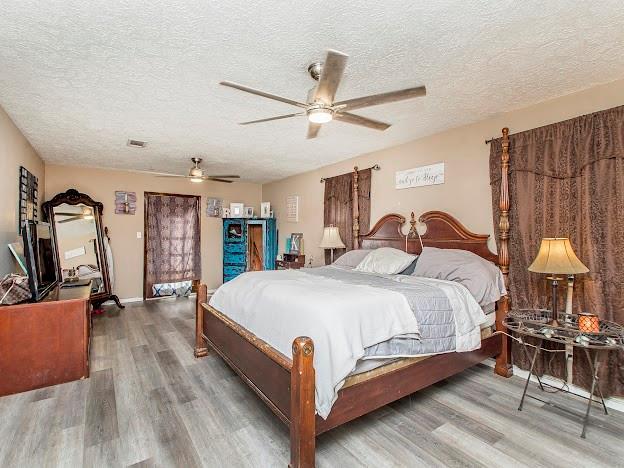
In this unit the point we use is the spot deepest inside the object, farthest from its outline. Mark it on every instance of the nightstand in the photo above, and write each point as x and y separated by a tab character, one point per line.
290	262
584	332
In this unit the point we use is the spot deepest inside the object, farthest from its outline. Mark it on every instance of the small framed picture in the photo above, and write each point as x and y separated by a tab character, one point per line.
226	212
265	210
296	243
249	212
237	210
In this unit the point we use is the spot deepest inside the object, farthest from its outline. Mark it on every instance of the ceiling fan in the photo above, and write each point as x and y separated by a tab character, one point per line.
320	106
86	213
196	174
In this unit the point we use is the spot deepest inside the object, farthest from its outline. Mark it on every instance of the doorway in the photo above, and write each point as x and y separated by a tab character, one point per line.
172	244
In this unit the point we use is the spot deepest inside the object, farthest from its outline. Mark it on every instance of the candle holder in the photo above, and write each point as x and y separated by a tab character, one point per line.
588	323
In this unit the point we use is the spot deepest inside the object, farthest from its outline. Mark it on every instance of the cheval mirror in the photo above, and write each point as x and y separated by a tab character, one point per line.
81	246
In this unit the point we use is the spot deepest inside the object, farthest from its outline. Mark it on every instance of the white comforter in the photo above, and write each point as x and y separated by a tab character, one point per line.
342	319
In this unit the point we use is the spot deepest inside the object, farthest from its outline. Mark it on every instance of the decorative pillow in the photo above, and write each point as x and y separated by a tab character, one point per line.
385	260
352	258
483	279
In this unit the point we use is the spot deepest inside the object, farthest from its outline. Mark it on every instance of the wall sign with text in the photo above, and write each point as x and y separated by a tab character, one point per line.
420	176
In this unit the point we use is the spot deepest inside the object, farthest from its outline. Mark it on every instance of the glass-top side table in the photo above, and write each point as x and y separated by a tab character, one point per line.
582	331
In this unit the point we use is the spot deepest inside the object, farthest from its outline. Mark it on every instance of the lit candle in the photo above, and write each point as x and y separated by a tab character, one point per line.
588	323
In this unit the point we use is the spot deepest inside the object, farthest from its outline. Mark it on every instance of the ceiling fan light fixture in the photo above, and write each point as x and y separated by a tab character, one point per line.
196	172
320	115
196	180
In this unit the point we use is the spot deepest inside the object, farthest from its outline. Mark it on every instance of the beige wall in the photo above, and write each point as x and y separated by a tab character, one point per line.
466	192
15	151
127	249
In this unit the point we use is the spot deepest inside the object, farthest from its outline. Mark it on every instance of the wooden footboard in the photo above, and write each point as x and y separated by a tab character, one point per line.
287	385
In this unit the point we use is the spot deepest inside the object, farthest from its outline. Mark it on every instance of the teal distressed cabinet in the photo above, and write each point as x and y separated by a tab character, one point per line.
248	245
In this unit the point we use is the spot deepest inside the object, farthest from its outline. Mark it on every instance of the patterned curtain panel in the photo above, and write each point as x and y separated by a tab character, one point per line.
567	180
173	239
338	207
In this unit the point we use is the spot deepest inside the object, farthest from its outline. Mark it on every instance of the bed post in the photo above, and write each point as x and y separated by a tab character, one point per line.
356	209
201	348
503	360
302	407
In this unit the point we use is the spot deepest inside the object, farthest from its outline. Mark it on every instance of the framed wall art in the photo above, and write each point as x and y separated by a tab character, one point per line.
28	197
125	202
420	176
292	208
214	207
265	210
237	210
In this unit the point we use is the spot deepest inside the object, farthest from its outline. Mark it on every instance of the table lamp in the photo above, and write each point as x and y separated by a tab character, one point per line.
556	257
331	240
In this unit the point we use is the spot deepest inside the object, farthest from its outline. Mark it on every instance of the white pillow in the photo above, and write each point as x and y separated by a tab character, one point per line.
385	260
352	258
483	279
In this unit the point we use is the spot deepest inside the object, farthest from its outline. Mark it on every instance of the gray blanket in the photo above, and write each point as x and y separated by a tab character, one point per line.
430	305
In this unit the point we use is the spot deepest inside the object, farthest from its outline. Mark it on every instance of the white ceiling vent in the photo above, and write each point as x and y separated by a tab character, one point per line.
136	143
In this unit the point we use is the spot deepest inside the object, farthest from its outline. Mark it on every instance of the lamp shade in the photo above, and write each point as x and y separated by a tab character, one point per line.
556	257
331	238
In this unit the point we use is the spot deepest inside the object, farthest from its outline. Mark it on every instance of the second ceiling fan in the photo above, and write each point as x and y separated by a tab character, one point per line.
320	106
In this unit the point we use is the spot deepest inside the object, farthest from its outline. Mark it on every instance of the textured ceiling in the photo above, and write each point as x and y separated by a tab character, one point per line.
81	77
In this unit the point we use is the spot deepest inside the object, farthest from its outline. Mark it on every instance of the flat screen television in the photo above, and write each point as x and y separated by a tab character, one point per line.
41	264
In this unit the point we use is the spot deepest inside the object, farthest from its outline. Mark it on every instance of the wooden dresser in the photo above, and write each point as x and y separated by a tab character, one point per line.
290	262
45	343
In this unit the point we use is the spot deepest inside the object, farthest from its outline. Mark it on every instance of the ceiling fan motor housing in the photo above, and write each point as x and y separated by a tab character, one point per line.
315	69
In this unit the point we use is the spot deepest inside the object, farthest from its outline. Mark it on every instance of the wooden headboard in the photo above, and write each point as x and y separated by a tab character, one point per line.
443	231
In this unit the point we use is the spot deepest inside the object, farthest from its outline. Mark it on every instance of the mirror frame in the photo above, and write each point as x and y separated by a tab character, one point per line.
74	197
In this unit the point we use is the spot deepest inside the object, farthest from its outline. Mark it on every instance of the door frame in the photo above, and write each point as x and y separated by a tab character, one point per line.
145	231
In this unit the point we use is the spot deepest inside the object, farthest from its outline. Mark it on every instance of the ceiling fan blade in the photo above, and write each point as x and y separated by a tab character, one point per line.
359	120
262	93
225	176
272	118
313	129
218	179
383	98
333	68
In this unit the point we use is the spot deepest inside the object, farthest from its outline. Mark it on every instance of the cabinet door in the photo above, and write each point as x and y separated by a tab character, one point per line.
234	248
270	244
234	231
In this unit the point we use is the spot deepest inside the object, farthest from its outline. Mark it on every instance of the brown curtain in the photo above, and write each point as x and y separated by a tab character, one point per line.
338	207
567	180
173	239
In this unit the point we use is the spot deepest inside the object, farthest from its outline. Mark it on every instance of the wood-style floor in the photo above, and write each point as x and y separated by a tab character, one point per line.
150	402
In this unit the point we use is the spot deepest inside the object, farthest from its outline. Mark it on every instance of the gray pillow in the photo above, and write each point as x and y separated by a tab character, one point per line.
483	279
352	258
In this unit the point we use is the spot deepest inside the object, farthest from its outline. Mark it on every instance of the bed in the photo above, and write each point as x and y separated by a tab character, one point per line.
287	383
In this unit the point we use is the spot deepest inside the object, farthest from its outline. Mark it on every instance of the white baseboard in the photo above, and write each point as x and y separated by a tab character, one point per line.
127	300
124	300
611	402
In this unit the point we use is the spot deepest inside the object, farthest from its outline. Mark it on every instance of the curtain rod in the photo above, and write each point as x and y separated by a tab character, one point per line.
487	142
376	167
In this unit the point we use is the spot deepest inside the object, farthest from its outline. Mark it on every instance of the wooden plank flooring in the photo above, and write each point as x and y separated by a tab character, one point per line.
149	402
